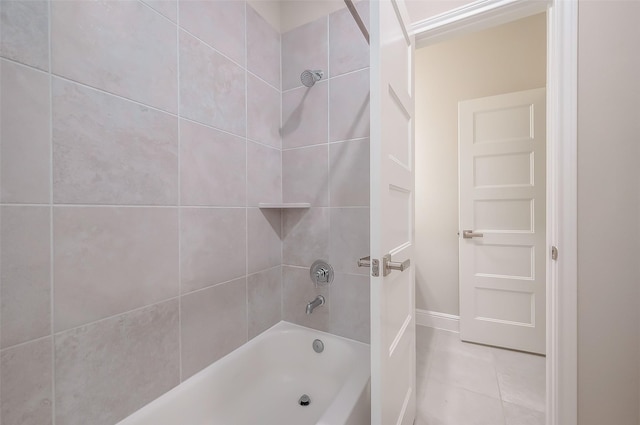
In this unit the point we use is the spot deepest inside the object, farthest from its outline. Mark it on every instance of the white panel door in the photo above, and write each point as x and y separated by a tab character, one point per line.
502	202
393	397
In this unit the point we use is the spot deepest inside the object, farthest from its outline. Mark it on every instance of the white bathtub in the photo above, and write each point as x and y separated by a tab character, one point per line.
261	382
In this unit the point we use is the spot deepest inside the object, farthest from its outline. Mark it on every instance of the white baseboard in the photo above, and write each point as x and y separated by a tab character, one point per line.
433	319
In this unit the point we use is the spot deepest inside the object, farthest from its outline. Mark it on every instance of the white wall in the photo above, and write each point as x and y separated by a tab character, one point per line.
504	59
608	210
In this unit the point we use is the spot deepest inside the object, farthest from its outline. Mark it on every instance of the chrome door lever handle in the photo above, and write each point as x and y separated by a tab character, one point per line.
468	234
389	265
365	261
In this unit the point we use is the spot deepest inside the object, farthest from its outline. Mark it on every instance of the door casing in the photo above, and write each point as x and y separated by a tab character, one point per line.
561	170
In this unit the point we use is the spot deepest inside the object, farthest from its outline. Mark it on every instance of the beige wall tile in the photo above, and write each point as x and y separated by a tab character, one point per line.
349	174
263	48
297	291
349	239
24	134
348	49
305	175
26	376
350	302
264	292
349	106
168	8
212	246
122	47
108	369
213	323
264	174
107	150
305	116
220	24
305	47
264	244
212	88
305	236
24	32
213	167
263	118
25	285
109	260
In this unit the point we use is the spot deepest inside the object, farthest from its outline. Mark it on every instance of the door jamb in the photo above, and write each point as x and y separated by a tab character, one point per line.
561	289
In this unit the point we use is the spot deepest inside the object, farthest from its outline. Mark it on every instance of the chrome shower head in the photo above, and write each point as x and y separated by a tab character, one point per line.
309	78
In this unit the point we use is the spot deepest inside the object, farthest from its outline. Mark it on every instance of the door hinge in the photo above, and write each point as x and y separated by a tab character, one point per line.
554	253
375	267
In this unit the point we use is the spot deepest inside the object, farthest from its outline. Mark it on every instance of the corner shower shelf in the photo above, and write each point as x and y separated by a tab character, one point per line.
285	205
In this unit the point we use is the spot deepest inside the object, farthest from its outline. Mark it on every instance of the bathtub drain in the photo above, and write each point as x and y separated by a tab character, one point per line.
304	400
318	346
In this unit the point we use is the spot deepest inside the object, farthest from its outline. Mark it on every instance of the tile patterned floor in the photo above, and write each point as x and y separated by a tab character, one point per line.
459	383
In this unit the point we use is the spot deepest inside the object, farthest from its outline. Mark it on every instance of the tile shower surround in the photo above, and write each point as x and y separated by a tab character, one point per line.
132	251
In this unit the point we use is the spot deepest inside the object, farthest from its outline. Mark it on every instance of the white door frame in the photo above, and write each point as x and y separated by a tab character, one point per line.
562	65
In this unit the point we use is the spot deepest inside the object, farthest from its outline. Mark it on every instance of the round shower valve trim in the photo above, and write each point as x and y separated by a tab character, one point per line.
321	273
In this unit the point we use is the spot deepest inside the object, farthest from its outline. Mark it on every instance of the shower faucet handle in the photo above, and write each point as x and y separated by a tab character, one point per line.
321	273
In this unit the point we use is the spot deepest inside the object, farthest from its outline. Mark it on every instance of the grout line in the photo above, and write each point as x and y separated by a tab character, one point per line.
262	271
119	96
244	67
329	84
124	206
122	313
25	343
206	288
275	148
24	65
154	108
253	74
160	14
179	106
305	88
282	213
51	224
329	123
358	139
246	171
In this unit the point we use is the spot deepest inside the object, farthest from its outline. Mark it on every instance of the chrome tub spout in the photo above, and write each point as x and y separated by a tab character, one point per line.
317	302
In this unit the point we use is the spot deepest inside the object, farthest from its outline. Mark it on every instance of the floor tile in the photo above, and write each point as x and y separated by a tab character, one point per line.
518	363
426	338
464	371
456	406
450	342
519	415
523	390
461	383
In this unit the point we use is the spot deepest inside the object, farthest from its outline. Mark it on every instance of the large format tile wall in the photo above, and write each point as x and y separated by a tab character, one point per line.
325	161
136	141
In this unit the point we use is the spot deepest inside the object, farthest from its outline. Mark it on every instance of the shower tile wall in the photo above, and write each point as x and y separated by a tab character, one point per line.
325	161
135	145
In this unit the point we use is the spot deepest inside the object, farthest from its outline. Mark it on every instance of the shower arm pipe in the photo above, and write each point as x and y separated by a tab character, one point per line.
356	17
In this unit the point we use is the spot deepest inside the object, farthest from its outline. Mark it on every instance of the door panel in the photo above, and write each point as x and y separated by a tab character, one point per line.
502	197
392	223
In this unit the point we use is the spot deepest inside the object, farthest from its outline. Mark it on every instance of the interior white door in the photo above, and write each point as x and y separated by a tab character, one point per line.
393	397
502	143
